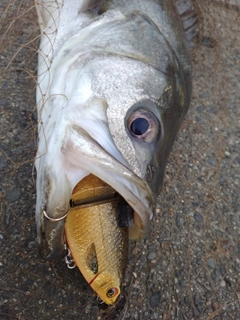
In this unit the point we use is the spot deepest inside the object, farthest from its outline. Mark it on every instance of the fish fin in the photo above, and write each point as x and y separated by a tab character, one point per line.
189	18
92	261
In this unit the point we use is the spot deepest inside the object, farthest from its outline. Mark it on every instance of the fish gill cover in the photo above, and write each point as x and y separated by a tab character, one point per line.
189	265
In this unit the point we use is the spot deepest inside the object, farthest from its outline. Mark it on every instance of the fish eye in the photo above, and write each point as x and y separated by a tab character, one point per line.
143	125
112	292
139	126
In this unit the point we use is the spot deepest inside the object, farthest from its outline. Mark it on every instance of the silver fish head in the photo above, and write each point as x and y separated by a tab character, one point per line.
112	95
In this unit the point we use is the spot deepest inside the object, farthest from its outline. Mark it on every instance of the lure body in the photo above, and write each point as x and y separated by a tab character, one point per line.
98	245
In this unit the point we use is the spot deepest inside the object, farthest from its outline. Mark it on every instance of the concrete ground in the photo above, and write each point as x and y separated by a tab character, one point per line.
189	267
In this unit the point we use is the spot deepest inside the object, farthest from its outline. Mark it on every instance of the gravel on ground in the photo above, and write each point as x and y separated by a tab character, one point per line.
189	266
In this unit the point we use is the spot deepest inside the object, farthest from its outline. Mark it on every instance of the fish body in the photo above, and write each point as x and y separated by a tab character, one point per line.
114	85
97	244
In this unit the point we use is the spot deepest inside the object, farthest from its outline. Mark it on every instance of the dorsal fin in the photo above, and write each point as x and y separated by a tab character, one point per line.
189	17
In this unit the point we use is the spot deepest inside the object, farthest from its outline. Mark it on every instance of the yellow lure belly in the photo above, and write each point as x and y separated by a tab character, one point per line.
98	245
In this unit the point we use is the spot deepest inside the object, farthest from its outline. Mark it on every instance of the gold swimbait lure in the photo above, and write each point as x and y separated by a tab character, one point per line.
98	245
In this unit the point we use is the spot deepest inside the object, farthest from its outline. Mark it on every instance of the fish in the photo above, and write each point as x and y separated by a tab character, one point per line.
114	85
98	244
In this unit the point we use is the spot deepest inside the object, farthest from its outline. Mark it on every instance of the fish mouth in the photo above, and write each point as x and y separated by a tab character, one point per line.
87	155
82	199
81	150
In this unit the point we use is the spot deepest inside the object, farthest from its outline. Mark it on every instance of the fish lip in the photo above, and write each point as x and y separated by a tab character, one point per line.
51	239
96	160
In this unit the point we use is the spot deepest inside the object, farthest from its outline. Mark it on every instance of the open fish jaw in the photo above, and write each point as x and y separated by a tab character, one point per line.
81	150
92	81
80	156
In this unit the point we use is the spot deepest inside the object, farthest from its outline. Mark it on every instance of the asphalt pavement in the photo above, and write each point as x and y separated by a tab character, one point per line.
189	266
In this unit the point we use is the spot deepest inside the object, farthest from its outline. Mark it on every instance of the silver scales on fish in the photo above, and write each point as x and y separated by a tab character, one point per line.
114	85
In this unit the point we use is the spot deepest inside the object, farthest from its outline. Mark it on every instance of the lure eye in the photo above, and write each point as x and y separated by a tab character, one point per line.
112	292
143	125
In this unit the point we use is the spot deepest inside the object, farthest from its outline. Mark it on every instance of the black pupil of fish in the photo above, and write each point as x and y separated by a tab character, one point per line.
139	126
